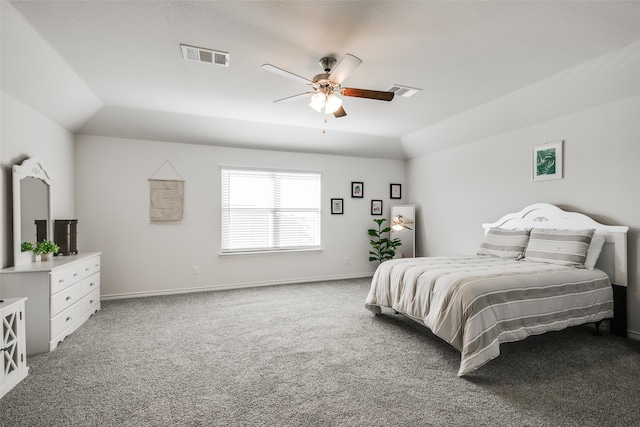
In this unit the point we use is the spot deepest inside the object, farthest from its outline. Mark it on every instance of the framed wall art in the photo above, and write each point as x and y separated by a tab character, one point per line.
376	207
547	161
396	191
357	189
337	206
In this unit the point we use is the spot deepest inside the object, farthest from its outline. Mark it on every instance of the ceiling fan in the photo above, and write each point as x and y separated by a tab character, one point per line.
325	86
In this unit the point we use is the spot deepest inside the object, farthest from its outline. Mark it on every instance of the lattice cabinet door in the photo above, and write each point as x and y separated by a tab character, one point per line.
13	359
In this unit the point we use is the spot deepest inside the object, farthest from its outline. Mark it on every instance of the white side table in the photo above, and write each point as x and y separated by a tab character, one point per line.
13	359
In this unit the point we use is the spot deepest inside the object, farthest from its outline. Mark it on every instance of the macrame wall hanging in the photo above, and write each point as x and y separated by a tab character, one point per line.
166	191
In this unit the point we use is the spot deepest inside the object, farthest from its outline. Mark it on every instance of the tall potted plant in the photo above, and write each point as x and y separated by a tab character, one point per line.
384	248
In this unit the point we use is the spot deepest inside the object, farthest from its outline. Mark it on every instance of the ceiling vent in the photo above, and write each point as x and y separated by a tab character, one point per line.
405	91
199	54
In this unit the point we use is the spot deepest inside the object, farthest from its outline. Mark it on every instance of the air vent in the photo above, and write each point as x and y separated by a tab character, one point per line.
199	54
405	91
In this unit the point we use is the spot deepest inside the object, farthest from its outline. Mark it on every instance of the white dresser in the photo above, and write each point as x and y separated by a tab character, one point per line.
61	295
13	360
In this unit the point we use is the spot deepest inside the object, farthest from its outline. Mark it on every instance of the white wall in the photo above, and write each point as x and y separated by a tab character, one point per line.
112	206
458	189
27	133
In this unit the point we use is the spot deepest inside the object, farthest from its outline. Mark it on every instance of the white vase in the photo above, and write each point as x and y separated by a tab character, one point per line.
47	257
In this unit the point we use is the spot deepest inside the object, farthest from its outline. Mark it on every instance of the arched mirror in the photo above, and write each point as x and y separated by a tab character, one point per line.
32	207
403	228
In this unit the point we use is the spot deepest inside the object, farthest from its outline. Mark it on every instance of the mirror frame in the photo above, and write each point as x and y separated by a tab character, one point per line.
406	211
31	167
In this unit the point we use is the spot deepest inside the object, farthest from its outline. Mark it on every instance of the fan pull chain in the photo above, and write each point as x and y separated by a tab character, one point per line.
324	129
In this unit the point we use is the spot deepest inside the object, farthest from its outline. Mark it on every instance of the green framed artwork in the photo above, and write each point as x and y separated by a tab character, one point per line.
547	161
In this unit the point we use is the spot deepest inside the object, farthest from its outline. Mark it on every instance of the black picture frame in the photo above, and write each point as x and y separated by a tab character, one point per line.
357	189
337	206
376	207
395	191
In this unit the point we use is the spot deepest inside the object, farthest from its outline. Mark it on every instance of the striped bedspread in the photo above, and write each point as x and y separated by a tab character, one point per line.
477	302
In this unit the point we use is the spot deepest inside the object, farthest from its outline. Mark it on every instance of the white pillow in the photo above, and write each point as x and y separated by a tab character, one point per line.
593	253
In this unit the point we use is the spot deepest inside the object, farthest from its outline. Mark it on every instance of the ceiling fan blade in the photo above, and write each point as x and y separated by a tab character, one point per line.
297	97
286	73
369	94
340	112
346	65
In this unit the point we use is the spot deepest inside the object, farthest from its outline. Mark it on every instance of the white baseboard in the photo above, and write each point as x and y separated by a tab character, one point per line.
604	326
633	335
630	334
232	286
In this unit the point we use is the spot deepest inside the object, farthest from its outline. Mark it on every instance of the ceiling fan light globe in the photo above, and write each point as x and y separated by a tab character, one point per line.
315	107
317	102
332	105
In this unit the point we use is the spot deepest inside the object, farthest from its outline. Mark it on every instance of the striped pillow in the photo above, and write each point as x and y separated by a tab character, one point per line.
565	247
505	243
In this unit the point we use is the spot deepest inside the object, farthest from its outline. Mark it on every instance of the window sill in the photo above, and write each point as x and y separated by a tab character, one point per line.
270	252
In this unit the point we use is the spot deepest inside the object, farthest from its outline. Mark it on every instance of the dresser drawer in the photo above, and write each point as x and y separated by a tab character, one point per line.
63	278
74	313
74	293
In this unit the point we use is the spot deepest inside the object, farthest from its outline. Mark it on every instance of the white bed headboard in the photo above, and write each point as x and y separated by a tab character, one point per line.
613	259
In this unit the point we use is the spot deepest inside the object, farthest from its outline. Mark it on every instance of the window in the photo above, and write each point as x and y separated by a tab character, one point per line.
268	210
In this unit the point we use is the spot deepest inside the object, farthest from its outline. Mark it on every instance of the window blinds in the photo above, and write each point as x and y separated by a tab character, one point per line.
267	210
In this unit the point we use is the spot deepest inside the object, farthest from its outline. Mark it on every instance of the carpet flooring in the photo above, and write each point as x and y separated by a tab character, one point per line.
310	354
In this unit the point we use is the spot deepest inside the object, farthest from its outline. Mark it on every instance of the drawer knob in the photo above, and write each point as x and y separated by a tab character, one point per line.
68	298
75	274
61	281
68	318
86	269
90	284
90	301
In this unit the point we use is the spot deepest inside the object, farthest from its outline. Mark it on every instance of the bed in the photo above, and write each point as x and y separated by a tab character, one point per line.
538	270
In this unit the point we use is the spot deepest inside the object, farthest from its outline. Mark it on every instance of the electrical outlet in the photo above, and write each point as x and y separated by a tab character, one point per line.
196	270
346	260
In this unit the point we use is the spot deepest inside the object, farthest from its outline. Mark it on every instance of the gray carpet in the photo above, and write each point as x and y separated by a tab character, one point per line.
311	355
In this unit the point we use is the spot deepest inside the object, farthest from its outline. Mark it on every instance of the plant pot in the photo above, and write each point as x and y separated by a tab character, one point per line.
46	257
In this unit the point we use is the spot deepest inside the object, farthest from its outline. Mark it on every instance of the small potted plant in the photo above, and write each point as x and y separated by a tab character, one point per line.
384	248
26	247
46	249
29	247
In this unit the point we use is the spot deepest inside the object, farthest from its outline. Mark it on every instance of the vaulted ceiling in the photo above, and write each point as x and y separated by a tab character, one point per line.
115	68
